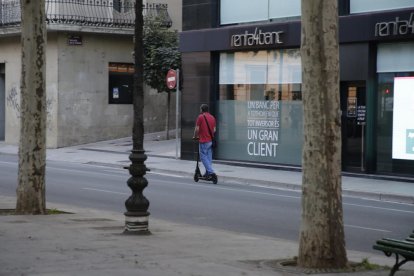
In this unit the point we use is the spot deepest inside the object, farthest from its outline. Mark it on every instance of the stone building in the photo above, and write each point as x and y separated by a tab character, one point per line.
89	70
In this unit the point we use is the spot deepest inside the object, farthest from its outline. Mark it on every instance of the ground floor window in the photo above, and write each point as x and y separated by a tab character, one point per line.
395	124
259	109
120	82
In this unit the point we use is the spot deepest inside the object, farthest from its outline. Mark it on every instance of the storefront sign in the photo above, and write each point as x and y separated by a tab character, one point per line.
395	27
75	40
263	128
361	114
256	38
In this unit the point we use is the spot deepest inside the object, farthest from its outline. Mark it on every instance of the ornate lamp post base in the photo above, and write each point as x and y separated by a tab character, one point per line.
136	223
137	215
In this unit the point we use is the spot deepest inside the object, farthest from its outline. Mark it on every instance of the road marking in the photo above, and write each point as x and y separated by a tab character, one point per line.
380	208
215	187
8	163
367	228
79	171
104	191
166	174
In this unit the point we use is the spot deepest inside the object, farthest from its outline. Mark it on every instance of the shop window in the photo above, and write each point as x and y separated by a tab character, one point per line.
360	6
241	11
260	106
395	127
120	83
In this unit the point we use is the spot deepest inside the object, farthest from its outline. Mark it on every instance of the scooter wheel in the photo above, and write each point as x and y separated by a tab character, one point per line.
196	178
215	180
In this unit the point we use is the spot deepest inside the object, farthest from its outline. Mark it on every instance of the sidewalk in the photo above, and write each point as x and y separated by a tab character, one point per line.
89	242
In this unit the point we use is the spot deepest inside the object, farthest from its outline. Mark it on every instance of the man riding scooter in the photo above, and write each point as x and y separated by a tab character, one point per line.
204	132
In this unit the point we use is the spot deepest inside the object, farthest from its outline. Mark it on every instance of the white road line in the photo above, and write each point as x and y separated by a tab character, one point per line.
166	174
104	191
8	163
215	187
82	171
380	208
367	228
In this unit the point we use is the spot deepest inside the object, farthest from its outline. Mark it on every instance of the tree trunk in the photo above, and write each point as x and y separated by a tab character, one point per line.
167	123
322	242
32	144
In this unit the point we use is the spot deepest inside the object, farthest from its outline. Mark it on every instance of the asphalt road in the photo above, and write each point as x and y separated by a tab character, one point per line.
239	208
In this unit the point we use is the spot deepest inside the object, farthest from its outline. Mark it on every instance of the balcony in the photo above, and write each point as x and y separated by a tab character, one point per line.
94	14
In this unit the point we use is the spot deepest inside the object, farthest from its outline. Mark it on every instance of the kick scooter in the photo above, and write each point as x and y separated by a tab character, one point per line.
197	174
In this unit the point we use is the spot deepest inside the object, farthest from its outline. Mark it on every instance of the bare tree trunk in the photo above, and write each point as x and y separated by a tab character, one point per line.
322	243
32	145
167	123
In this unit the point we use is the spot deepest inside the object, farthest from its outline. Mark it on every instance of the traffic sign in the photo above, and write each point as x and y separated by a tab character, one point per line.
171	79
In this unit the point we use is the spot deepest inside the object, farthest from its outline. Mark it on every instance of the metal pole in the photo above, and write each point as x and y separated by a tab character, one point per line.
362	147
177	112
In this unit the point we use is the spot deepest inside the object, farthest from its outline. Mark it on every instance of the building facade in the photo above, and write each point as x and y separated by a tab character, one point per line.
243	58
89	70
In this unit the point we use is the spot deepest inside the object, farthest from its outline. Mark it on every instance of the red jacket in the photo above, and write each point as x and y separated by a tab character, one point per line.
203	133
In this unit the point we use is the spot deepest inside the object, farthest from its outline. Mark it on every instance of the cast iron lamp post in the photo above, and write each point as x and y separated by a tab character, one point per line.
137	215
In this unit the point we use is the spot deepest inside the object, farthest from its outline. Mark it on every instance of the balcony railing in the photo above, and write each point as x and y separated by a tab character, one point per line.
98	13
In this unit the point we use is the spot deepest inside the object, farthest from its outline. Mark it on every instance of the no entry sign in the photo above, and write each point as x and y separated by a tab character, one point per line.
171	79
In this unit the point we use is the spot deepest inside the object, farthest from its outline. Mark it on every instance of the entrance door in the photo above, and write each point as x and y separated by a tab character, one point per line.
353	125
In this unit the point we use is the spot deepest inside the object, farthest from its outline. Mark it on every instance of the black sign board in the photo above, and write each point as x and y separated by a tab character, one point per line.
75	40
361	112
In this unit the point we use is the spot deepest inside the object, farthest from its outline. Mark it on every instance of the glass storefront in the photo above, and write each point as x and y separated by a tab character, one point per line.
242	11
360	6
395	124
260	107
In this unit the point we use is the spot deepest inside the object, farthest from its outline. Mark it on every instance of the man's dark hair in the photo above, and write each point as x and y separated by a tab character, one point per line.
204	108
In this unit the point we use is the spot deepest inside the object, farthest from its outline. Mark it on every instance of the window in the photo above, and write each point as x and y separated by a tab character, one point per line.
120	83
260	107
242	11
395	143
360	6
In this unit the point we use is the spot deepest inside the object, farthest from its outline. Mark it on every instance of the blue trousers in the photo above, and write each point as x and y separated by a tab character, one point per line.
206	156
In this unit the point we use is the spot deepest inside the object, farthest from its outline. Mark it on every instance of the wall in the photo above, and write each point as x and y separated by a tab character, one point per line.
84	113
77	91
199	14
10	55
197	69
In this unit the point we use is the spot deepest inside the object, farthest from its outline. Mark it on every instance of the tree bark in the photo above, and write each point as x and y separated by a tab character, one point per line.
32	144
322	242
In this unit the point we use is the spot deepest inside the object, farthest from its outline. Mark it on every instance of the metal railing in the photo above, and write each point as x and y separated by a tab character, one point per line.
99	13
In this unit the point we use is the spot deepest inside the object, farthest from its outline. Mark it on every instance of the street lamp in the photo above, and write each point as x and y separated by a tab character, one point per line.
137	215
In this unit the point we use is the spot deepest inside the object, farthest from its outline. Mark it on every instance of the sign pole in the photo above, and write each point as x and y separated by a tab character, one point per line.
177	112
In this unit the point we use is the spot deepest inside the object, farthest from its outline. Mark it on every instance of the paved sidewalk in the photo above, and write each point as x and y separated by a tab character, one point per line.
89	242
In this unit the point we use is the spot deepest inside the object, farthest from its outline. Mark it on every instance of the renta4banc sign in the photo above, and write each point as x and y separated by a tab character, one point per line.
256	38
395	27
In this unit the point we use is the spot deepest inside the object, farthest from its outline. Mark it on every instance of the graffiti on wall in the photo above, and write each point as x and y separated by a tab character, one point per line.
13	101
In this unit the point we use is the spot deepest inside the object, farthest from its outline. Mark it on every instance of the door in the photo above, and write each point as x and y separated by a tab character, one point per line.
353	125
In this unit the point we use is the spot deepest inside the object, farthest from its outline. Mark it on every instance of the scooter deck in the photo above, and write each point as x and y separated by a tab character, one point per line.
198	177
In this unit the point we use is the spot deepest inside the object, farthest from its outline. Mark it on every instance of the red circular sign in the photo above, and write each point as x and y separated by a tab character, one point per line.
171	79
